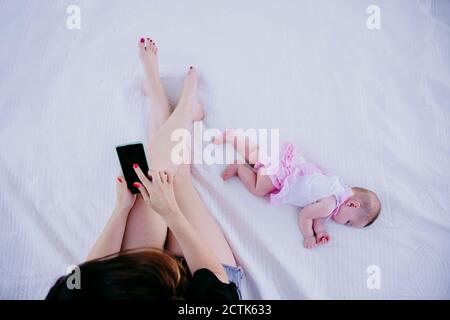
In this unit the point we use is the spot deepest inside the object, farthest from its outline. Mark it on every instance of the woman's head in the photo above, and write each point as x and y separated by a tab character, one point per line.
360	210
143	274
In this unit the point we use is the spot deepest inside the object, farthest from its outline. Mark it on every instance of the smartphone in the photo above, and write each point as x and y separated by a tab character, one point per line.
129	154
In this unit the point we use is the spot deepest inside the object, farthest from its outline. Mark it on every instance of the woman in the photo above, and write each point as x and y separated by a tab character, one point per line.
135	256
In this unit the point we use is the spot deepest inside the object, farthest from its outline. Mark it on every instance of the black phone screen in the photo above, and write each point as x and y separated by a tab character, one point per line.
129	154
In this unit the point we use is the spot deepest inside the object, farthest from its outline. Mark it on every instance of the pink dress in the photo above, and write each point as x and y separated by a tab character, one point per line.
301	183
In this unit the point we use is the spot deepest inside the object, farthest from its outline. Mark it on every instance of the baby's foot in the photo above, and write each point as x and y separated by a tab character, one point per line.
188	98
227	136
230	171
322	238
148	53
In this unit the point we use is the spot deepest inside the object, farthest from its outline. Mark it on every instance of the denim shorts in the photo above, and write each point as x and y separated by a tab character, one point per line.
235	275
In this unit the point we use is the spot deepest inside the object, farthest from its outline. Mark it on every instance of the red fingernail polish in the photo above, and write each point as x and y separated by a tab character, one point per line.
137	184
142	40
120	180
135	165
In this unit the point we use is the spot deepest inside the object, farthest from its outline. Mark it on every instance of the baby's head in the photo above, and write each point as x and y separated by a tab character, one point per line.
360	210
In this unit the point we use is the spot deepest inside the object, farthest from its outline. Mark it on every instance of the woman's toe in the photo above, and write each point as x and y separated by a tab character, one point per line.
142	45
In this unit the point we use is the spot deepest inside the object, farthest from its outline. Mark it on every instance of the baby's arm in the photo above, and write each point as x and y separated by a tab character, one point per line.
317	210
322	237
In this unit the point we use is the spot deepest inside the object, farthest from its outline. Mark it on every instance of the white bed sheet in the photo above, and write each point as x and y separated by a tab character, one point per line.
371	106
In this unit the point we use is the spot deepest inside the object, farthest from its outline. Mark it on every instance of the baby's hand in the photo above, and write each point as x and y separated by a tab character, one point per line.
309	242
322	238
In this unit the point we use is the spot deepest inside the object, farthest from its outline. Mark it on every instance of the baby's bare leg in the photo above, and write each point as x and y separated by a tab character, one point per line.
258	184
243	145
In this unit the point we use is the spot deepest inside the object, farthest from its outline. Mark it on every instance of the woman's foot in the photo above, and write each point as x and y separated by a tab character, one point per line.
148	53
230	171
188	98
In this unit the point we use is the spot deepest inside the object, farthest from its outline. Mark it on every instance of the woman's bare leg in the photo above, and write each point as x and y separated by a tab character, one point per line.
187	111
160	108
143	228
146	229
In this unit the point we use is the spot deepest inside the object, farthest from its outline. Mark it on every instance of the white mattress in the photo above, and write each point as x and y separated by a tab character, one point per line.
371	106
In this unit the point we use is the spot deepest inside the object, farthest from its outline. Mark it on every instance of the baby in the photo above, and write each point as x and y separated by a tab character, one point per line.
295	181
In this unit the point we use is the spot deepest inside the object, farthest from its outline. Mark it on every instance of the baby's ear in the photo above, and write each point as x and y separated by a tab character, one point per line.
353	204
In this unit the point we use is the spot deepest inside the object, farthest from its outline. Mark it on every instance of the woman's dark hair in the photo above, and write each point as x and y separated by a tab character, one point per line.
138	274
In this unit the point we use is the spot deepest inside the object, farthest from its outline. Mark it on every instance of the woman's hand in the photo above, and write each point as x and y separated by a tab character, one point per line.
157	190
124	198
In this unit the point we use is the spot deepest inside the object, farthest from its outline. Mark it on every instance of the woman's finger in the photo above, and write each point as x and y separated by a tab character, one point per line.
169	177
141	175
163	176
155	176
120	179
142	190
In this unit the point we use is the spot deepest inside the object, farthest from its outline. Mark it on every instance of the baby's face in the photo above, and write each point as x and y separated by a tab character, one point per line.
349	214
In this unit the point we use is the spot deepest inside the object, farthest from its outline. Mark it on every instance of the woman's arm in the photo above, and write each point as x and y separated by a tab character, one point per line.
110	241
198	254
159	194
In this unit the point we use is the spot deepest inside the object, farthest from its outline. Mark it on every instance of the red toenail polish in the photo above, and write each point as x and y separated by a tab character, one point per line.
120	180
135	165
142	40
137	184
